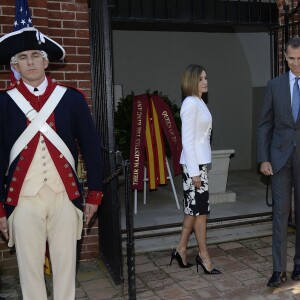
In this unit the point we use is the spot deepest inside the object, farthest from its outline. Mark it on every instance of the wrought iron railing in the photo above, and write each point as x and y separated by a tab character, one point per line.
281	34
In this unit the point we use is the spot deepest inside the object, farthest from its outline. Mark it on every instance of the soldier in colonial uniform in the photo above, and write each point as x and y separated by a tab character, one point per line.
41	125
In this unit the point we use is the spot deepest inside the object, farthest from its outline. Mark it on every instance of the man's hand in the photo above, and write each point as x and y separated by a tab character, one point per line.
4	227
90	209
196	181
266	168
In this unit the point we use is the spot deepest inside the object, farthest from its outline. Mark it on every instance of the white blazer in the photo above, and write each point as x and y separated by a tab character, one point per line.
195	133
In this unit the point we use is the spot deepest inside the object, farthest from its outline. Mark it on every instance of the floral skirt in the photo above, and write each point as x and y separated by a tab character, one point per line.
195	200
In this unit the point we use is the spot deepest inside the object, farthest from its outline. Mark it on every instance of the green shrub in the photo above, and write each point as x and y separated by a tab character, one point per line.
123	116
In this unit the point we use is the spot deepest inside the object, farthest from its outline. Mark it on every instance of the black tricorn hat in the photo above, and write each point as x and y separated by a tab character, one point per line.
28	38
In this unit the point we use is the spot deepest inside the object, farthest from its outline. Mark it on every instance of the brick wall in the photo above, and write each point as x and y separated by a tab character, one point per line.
67	22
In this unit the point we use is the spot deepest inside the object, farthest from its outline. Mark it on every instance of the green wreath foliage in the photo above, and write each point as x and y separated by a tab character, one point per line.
123	116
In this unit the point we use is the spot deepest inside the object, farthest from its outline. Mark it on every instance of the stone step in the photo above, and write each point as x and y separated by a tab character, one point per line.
168	238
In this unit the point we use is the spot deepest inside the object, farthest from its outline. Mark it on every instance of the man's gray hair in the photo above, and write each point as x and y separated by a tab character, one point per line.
14	59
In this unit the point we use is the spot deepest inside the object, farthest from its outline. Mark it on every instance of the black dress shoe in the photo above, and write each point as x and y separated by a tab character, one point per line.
277	279
296	272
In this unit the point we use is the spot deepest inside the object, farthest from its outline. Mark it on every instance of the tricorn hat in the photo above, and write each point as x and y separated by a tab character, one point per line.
28	38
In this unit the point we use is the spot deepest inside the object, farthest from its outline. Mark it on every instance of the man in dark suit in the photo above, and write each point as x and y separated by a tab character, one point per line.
42	123
278	152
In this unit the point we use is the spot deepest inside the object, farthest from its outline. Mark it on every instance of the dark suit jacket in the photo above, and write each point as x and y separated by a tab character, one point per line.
277	133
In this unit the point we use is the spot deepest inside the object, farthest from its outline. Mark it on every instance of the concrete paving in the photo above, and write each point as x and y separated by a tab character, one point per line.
242	253
246	266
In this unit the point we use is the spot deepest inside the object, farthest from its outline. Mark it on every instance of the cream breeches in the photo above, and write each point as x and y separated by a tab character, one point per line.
46	217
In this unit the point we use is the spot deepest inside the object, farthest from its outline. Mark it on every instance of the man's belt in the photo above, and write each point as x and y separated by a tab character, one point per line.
38	123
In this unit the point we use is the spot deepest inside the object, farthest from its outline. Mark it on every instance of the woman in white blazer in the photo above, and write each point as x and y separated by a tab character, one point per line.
196	154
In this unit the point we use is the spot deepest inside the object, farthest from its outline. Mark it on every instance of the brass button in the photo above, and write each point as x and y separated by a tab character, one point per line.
11	189
14	179
66	165
26	147
18	169
51	124
21	157
9	199
77	193
61	156
70	175
73	183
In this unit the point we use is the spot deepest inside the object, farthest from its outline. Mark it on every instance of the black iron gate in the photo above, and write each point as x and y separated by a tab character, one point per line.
279	35
103	109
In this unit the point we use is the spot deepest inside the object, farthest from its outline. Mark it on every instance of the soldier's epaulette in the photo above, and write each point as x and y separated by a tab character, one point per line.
12	86
72	87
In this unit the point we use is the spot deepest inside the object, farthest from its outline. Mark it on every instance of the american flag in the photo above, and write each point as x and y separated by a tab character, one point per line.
22	20
23	16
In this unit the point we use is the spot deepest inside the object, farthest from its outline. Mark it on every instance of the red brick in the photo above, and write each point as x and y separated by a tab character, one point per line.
58	76
61	15
92	231
73	7
55	23
82	33
77	25
8	20
3	85
37	3
39	12
8	11
77	59
82	16
41	23
70	50
64	67
90	239
78	76
76	42
81	1
84	51
6	2
82	248
84	84
4	76
53	5
92	247
88	255
59	32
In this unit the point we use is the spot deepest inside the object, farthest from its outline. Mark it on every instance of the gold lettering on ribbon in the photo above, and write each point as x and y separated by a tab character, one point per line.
137	145
169	126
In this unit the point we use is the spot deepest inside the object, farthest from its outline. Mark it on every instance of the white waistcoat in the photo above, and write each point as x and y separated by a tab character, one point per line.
42	171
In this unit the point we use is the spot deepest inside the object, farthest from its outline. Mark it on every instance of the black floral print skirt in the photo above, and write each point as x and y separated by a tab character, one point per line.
195	200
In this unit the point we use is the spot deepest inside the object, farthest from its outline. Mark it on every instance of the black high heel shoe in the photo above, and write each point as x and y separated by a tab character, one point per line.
211	272
175	254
